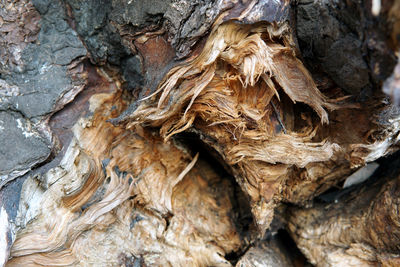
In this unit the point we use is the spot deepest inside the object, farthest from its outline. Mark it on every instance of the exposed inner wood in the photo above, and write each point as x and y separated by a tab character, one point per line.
360	229
205	162
121	192
226	94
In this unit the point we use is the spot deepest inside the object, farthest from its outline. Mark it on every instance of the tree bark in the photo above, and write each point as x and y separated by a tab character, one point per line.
199	133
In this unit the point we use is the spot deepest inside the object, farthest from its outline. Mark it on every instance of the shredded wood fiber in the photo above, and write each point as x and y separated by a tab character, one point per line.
152	201
130	192
227	92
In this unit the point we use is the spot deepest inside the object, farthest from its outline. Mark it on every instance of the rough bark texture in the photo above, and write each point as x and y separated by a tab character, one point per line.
199	133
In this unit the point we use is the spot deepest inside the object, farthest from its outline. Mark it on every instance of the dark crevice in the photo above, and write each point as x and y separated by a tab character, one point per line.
286	241
388	167
235	256
241	210
167	217
193	142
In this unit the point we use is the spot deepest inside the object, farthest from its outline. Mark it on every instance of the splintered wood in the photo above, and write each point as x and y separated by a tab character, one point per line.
133	192
226	95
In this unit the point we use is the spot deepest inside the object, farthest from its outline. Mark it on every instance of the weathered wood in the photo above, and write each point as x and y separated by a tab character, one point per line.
358	228
104	106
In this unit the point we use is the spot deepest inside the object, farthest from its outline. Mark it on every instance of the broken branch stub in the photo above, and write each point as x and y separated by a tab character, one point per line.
226	92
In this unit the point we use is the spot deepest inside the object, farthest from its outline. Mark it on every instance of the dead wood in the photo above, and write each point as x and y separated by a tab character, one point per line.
359	228
191	133
165	201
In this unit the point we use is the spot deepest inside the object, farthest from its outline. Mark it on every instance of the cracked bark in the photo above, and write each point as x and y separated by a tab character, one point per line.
199	133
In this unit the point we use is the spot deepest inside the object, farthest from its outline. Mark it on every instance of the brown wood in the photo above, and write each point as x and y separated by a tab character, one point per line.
199	133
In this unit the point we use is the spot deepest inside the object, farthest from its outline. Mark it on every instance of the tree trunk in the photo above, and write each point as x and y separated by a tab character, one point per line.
199	133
